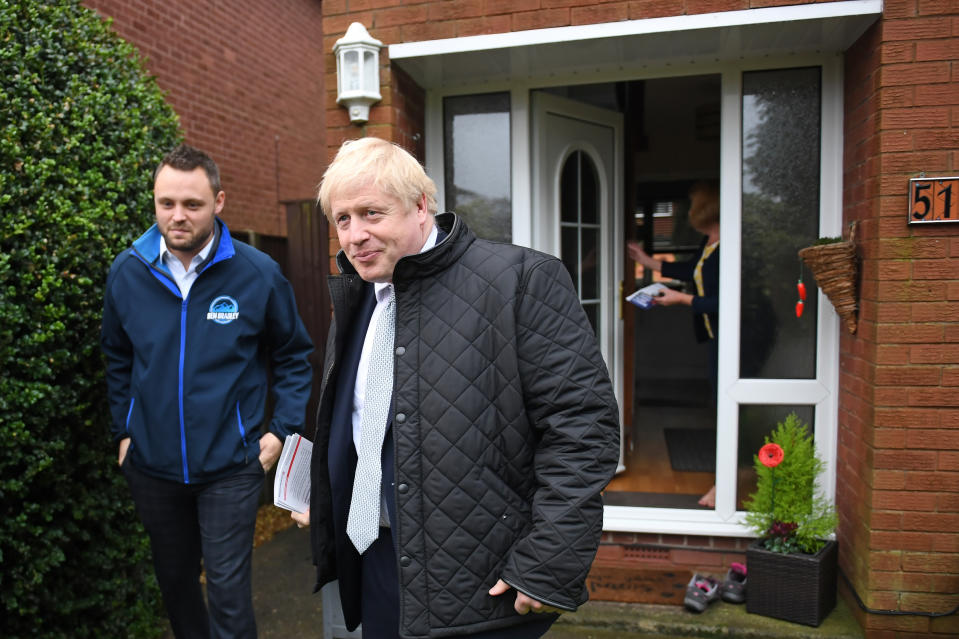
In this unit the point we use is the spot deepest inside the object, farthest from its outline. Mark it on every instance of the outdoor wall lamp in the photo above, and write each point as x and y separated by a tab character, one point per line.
357	72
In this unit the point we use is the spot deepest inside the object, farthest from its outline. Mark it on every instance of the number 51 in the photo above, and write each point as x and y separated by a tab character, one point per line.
930	200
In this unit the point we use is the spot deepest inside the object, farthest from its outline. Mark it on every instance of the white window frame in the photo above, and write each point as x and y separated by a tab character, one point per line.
823	391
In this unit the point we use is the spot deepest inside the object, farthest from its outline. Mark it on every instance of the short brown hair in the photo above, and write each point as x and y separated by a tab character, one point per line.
187	158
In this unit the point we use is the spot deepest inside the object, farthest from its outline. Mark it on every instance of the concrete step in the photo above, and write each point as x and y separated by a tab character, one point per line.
609	620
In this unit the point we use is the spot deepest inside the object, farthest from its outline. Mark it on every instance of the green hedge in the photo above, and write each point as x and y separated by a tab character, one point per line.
82	126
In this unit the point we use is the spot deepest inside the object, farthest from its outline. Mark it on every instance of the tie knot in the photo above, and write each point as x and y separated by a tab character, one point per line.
385	294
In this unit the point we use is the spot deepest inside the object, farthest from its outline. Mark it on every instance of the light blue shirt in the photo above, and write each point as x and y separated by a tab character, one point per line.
184	278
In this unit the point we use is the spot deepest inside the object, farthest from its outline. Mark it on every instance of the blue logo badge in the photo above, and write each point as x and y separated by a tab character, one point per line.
223	310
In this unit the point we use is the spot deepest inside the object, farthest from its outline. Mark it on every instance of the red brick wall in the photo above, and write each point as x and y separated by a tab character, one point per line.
246	78
898	477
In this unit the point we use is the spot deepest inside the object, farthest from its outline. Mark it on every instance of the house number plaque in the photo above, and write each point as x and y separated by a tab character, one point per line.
933	200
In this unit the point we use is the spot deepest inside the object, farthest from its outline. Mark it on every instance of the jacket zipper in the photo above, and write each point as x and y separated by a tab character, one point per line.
126	425
239	424
186	471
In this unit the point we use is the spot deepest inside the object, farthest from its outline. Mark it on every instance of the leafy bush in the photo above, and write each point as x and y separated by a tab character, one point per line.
786	511
82	128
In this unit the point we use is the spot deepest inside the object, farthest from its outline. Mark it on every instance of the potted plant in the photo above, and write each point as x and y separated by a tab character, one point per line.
792	564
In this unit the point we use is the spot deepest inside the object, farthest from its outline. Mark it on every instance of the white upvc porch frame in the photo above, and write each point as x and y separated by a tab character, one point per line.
822	392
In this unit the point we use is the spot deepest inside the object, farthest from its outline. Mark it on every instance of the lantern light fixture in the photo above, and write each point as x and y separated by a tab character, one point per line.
357	72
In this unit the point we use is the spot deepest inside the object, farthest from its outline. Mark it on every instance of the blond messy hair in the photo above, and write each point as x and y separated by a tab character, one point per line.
382	164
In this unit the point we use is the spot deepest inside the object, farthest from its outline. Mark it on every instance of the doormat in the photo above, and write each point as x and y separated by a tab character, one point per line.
635	584
691	449
651	500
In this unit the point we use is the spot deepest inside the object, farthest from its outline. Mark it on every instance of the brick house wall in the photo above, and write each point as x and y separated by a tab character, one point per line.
898	477
898	463
247	80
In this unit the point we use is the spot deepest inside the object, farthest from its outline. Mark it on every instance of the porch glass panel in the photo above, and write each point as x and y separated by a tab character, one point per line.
756	422
780	215
476	143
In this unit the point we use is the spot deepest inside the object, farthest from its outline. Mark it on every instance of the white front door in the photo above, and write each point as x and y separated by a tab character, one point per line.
576	185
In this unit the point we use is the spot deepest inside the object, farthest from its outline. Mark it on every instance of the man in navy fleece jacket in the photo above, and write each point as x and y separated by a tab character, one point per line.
192	322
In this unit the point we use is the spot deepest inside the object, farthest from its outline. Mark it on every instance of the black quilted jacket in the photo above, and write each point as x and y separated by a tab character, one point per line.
510	430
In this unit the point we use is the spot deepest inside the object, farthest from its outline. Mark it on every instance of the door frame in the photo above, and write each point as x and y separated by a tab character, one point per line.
546	228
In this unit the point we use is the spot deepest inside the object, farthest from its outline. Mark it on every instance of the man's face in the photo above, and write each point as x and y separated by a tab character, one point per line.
376	230
186	208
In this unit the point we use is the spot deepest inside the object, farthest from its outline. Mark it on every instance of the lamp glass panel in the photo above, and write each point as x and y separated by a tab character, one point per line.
351	71
369	73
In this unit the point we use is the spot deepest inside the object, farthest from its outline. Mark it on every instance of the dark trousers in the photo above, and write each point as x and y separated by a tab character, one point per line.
212	522
380	607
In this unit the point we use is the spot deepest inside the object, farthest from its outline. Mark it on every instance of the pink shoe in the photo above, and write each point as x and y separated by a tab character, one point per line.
700	592
734	585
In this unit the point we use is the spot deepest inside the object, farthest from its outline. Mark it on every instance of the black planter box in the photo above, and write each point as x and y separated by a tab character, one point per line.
793	587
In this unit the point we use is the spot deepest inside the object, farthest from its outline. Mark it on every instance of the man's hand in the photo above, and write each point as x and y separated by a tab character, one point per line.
270	449
523	603
124	446
302	519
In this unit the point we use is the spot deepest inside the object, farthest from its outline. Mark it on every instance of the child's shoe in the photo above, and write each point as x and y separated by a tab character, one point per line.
700	592
734	585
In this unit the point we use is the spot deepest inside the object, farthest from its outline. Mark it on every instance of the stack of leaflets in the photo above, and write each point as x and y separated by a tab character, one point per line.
643	298
291	486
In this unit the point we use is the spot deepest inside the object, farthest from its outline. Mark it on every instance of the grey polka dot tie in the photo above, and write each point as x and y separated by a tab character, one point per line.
363	524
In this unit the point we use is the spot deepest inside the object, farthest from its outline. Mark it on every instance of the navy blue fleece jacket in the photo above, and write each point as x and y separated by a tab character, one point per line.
188	378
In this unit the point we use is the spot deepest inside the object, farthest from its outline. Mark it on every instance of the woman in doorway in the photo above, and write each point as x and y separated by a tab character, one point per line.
704	273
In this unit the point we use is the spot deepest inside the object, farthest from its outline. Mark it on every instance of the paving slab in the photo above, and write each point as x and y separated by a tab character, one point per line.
285	607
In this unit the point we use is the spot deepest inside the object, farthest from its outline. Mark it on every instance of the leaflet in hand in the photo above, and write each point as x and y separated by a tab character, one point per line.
291	486
643	298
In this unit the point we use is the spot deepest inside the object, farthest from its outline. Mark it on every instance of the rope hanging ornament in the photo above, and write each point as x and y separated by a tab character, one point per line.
835	268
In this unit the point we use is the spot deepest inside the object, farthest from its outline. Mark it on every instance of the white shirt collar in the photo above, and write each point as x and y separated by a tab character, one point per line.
379	287
165	253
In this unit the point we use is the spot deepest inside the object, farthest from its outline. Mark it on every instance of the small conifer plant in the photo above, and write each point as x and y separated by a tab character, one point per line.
788	511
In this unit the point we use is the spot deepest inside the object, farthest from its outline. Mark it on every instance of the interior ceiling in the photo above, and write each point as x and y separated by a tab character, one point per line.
489	59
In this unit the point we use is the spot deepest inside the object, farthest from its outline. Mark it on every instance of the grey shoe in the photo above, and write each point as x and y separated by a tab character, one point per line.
733	589
700	592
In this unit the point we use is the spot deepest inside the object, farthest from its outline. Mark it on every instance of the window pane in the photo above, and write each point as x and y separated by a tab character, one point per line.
569	253
590	274
569	189
592	313
589	191
756	422
476	149
780	215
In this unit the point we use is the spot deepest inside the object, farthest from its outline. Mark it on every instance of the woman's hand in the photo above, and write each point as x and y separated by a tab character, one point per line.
671	297
637	253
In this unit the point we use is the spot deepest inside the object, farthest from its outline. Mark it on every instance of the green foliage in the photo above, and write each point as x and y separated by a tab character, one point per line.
787	511
82	128
827	240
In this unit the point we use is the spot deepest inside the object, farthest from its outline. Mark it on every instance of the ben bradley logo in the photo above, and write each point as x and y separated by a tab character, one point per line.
223	310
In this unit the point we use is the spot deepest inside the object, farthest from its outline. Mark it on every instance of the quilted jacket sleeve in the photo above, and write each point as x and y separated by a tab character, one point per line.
570	402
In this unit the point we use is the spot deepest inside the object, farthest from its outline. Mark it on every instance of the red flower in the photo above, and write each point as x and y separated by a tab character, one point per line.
771	455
